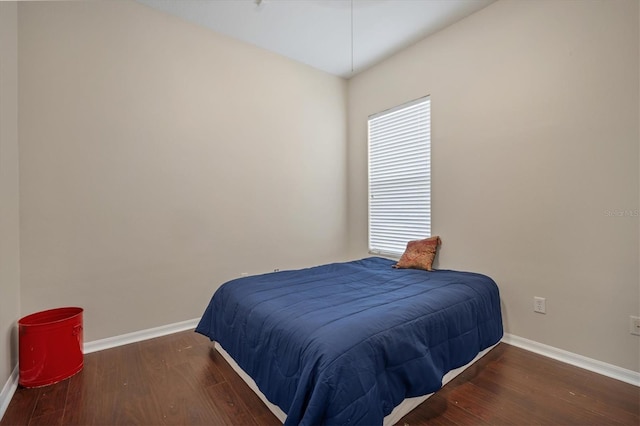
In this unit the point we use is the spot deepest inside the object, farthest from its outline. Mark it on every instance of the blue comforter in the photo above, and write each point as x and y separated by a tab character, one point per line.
344	343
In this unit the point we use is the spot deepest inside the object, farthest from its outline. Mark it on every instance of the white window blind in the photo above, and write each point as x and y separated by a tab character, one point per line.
399	177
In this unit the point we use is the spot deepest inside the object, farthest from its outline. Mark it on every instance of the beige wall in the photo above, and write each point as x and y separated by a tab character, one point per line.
535	137
9	198
159	160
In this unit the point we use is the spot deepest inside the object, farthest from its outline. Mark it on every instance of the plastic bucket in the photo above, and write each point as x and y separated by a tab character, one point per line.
50	346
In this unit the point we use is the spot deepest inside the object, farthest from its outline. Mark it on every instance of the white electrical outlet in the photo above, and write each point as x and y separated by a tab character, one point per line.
634	325
540	305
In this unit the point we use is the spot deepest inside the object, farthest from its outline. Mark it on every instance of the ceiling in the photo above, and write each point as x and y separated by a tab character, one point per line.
341	37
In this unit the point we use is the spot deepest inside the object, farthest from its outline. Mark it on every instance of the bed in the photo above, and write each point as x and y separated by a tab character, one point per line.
346	343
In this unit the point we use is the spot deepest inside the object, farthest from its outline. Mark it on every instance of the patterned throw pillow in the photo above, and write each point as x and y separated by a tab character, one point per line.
419	254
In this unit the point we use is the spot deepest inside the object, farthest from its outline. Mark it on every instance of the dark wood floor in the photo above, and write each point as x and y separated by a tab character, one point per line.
180	380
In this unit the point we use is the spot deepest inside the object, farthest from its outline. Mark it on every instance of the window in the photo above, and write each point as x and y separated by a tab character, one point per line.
399	177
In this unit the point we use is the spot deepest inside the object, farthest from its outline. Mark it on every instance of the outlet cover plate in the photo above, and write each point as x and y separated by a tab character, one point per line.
634	325
540	305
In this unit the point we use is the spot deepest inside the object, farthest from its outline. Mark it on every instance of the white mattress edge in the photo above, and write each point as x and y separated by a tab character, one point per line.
398	412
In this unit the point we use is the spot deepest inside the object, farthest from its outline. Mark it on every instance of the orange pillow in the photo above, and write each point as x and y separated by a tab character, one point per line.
419	254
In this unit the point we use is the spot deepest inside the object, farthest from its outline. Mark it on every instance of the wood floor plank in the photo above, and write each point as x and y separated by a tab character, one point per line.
230	405
51	399
581	403
80	407
52	418
557	410
438	412
21	407
181	398
601	388
182	380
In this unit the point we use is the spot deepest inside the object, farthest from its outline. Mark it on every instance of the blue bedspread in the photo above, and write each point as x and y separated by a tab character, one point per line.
344	343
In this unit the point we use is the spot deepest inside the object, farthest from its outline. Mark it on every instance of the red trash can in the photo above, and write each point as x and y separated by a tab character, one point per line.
50	346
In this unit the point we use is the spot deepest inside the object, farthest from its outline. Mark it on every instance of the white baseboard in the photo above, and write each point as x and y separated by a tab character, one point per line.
138	336
8	390
609	370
